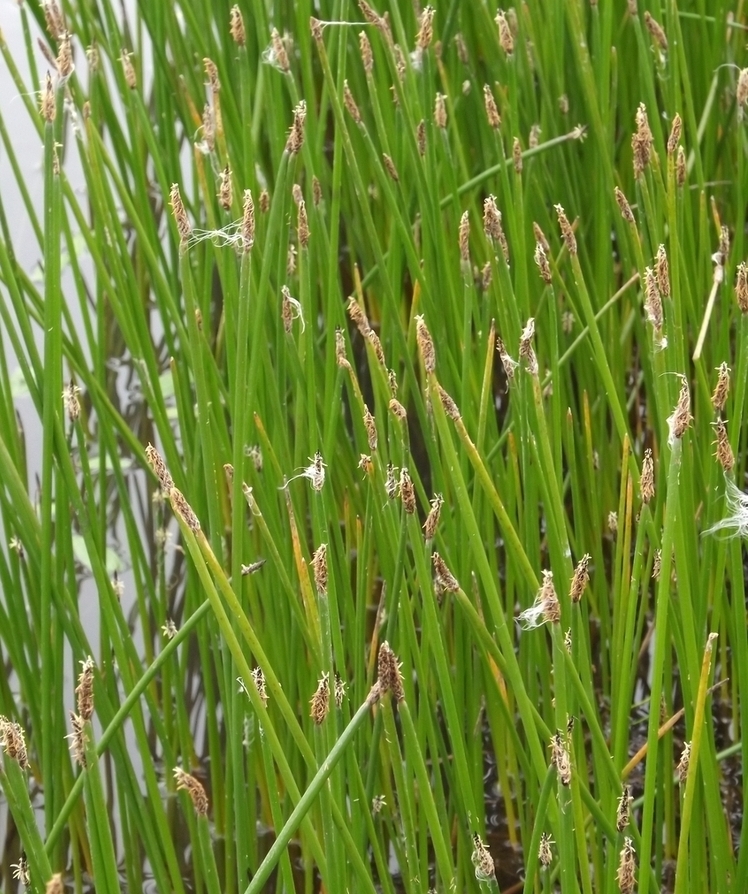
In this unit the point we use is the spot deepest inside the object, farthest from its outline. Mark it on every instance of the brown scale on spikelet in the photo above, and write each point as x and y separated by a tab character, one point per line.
580	579
54	19
70	401
258	678
397	409
180	505
320	701
567	233
366	464
302	225
376	345
421	137
278	51
623	203
675	133
485	869
492	112
194	788
84	689
681	418
662	272
722	389
359	318
444	580
440	111
367	57
184	227
623	811
680	167
339	691
684	763
724	454
657	564
371	429
647	479
506	40
350	103
545	854
248	221
225	191
642	142
13	742
238	34
560	758
741	287
131	78
319	568
211	71
340	351
390	482
389	166
64	61
507	362
425	345
264	201
626	874
77	738
389	675
47	103
546	607
426	28
533	140
526	351
464	238
517	155
407	492
653	301
656	30
541	260
159	468
296	133
432	519
450	407
741	92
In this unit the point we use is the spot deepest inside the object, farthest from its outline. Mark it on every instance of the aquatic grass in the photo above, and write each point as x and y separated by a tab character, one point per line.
373	168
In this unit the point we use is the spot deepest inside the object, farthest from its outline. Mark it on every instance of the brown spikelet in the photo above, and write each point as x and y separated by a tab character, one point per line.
209	131
340	351
425	345
656	30
741	92
298	195
652	300
657	564
505	33
357	315
432	519
371	429
626	874
158	465
264	201
389	165
680	167
367	57
390	482
741	287
371	17
517	156
131	78
421	137
350	103
279	54
64	61
675	132
444	580
287	309
647	479
526	351
492	112
70	401
462	53
724	454
184	227
183	509
426	28
580	579
623	811
238	34
623	203
507	362
13	742
722	389
662	272
84	689
440	111
258	678
683	763
560	758
397	409
545	854
376	345
567	233
400	65
407	492
302	225
642	142
194	788
541	260
78	738
296	134
681	418
485	868
47	103
464	238
316	191
315	26
319	568
248	221
211	71
388	673
225	191
54	19
450	407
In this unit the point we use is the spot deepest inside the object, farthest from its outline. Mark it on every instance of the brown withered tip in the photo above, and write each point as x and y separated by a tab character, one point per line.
432	519
623	203
194	788
656	30
320	701
426	28
506	40
449	405
623	810
662	271
675	133
725	456
280	55
492	111
390	678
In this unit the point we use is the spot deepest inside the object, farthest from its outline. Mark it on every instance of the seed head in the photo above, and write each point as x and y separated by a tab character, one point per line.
563	104
389	165
238	35
421	137
70	401
545	854
485	870
675	132
264	201
77	738
319	567
276	53
184	227
506	361
541	260
340	688
296	134
84	690
367	57
657	564
258	678
647	479
340	351
356	313
652	301
567	232
371	429
390	483
158	465
626	875
580	579
350	103
680	167
741	287
450	407
533	140
182	508
248	221
560	758
13	742
440	111
397	409
426	28
54	19
719	398
505	33
64	60
432	519
47	103
517	156
724	454
624	808
407	492
492	112
444	580
194	789
681	418
225	191
388	671
526	351
662	272
492	223
376	345
642	142
545	608
623	203
425	345
656	30
131	78
320	701
464	239
302	225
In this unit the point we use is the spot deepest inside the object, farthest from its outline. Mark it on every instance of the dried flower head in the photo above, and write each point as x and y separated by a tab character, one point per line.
426	28
642	142
194	788
425	345
567	232
389	166
184	227
357	315
47	105
276	54
432	519
320	701
626	874
319	567
258	678
55	885
444	580
159	468
653	301
546	607
225	190
657	564
131	78
683	763
70	401
54	19
560	758
440	111
296	133
238	34
77	738
390	482
248	221
623	203
367	57
722	389
580	579
675	133
485	869
264	201
526	351
407	492
623	811
371	429
183	509
507	362
13	741
84	689
681	418
724	454
492	112
64	61
464	240
389	675
302	225
656	30
541	260
741	287
680	167
397	409
662	272
545	854
506	40
448	404
517	155
350	103
290	310
21	871
421	137
647	479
